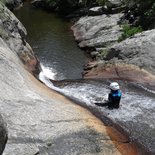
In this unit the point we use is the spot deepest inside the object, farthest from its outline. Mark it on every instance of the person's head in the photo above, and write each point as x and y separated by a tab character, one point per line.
114	86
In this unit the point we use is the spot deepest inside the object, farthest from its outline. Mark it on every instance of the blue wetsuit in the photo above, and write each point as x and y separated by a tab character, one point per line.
114	98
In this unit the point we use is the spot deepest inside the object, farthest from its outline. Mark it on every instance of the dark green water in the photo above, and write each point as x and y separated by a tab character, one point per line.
52	41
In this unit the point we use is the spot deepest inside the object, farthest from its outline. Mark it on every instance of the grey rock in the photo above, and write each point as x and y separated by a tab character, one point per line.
115	3
13	33
95	11
114	6
138	50
12	4
3	134
97	31
94	53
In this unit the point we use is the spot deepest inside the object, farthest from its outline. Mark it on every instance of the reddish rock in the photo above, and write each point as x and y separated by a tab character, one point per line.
121	71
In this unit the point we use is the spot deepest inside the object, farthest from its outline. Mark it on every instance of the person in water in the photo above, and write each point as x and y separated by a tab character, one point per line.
114	96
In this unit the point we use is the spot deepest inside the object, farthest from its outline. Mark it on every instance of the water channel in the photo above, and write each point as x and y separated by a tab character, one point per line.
53	42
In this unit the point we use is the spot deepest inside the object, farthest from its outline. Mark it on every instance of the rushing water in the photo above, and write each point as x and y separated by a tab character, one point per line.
53	43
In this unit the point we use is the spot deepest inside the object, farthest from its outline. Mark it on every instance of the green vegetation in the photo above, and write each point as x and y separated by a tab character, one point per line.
101	2
51	3
129	31
103	53
145	9
62	6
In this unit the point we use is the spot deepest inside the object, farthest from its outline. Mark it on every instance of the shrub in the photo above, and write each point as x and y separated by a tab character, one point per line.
129	31
101	2
51	3
145	10
103	54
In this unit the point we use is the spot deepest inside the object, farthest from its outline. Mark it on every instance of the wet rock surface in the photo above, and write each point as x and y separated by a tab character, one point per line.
135	115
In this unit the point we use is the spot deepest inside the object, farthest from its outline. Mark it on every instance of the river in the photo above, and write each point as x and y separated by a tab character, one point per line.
53	42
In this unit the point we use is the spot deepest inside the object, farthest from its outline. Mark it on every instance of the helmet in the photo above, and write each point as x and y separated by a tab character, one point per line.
114	86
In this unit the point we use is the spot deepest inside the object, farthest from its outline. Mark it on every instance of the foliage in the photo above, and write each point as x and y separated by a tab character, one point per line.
51	3
151	11
62	6
145	9
103	54
101	2
129	31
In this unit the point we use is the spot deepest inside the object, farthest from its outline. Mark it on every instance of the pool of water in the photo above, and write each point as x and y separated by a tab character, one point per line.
53	43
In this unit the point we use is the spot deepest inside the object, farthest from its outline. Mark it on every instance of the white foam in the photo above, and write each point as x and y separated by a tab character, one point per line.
47	82
48	72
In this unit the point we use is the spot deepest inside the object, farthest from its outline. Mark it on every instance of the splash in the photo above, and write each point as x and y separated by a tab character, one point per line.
49	73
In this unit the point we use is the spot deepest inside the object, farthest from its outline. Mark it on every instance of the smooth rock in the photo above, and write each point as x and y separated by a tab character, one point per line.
97	31
13	33
138	50
95	11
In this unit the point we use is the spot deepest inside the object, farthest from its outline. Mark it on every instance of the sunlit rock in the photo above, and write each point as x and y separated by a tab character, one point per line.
138	50
97	31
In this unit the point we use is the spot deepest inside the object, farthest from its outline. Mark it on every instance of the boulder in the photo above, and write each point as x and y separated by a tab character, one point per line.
114	6
138	50
95	11
114	3
13	33
97	31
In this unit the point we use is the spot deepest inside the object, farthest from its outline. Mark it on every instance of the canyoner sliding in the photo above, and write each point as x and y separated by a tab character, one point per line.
114	97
